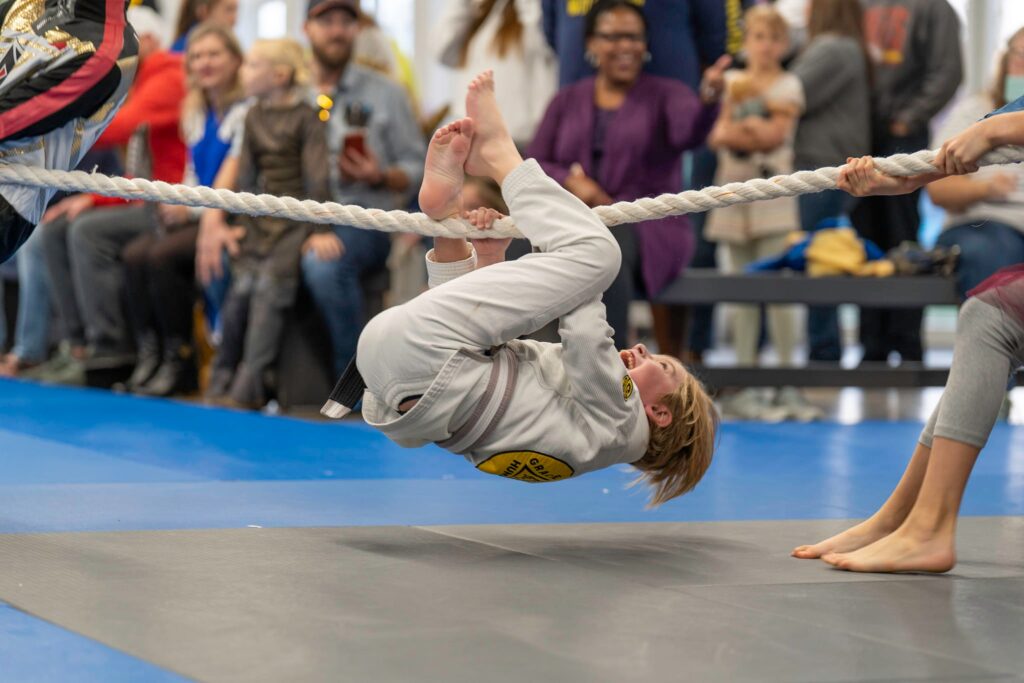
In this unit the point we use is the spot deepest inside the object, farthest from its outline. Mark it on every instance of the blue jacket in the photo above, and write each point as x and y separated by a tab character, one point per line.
684	36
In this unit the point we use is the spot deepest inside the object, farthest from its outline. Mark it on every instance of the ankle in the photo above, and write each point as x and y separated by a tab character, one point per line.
929	524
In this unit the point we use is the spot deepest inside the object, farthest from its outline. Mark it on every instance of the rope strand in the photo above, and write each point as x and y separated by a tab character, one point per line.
651	208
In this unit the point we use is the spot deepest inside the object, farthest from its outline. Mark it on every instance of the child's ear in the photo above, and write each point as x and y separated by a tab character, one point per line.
659	414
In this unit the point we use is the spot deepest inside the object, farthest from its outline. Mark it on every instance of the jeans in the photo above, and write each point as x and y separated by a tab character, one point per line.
822	321
336	286
705	162
618	297
984	248
887	221
57	252
32	333
96	239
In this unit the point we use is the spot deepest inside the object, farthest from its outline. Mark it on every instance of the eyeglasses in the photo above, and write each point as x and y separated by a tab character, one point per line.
635	38
326	104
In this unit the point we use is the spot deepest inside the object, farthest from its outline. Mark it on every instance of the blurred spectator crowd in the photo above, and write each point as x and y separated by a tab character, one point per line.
616	99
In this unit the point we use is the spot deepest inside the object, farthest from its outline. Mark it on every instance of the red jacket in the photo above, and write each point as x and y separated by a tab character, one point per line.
155	99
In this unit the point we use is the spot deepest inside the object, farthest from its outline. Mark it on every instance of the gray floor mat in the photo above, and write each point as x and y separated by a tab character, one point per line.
616	602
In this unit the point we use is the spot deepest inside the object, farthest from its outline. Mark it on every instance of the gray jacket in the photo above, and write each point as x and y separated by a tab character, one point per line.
836	123
915	45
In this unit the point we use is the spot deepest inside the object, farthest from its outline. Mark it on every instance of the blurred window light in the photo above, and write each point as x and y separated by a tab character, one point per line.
272	19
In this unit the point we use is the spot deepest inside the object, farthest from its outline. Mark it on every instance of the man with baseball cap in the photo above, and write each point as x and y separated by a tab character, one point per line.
318	7
377	153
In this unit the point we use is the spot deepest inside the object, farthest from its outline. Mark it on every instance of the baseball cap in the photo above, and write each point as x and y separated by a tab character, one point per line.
318	7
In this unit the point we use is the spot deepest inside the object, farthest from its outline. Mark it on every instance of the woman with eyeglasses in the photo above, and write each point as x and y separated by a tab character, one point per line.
619	136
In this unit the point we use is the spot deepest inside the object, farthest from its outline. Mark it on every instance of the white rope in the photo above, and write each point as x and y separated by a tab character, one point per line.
694	201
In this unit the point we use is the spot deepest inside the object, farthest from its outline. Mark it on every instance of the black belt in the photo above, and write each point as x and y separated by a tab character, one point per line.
347	393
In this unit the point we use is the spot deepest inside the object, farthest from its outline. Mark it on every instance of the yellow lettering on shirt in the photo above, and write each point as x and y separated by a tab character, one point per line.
578	8
528	466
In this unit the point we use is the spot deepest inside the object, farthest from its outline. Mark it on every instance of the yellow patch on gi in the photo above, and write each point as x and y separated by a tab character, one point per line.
528	466
627	387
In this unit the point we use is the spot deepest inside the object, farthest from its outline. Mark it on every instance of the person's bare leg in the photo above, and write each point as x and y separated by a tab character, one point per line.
926	541
493	153
443	176
886	520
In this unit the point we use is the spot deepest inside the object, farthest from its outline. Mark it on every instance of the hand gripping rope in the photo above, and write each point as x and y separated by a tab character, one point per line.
349	388
693	201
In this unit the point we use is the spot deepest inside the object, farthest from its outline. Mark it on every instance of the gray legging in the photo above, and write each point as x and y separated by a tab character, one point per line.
989	347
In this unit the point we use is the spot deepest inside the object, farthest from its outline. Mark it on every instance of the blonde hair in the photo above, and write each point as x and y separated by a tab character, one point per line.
287	53
767	15
679	454
195	102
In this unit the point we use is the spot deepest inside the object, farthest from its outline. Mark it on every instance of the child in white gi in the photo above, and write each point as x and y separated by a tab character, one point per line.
447	367
915	529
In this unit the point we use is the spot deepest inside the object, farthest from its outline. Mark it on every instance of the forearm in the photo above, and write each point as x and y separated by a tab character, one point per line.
451	249
957	194
484	260
1005	129
736	138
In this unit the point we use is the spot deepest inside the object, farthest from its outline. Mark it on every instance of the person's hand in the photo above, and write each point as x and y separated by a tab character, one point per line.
172	214
491	250
999	186
960	155
586	188
361	168
712	84
69	207
215	237
326	246
860	178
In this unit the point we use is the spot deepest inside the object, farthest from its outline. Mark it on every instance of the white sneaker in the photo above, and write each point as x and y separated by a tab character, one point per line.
752	404
791	402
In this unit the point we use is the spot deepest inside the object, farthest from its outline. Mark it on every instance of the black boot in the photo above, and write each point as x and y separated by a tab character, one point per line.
147	362
177	374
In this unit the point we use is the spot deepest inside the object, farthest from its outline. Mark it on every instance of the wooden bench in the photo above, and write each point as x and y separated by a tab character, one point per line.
707	286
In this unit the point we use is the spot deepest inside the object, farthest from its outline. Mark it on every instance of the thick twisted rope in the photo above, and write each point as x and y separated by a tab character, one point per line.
693	201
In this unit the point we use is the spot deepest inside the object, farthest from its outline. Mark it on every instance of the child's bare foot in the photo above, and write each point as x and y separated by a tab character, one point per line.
904	550
493	154
854	538
443	172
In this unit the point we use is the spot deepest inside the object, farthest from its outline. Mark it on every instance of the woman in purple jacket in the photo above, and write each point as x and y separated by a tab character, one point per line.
619	136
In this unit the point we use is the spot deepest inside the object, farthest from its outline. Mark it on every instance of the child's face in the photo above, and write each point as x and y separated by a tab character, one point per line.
764	46
259	75
210	64
655	375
